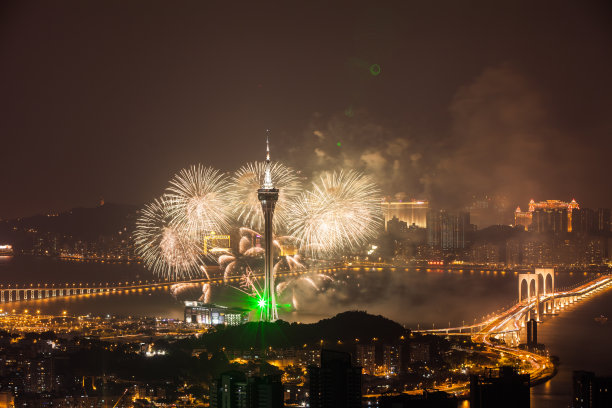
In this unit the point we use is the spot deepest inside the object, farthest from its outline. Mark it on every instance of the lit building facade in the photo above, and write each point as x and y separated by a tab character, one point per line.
217	242
410	212
207	313
392	357
525	218
366	358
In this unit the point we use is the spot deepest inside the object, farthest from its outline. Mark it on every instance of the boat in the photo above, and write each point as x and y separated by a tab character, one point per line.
601	319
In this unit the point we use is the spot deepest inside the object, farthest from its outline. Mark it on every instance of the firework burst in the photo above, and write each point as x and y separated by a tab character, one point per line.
166	249
197	200
340	213
248	179
248	255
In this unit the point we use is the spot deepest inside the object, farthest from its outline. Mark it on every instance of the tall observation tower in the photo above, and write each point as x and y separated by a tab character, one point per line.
268	196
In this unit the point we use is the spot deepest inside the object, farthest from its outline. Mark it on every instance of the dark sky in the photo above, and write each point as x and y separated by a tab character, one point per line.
112	98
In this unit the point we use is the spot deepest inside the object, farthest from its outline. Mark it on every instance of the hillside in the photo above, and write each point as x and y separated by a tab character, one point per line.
344	327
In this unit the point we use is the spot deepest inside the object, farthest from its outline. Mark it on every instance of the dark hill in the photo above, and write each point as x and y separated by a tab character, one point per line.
345	327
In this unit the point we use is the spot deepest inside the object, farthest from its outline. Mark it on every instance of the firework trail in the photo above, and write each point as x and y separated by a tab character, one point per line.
165	248
179	288
205	293
234	264
204	271
312	282
197	200
249	284
340	213
248	179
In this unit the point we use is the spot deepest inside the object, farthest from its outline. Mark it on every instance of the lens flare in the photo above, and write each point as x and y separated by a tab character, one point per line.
248	179
340	213
166	249
197	200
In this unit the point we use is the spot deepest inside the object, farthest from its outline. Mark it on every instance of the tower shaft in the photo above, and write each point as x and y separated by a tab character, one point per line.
268	198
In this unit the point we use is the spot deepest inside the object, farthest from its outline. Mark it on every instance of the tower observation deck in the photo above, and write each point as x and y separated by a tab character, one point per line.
268	196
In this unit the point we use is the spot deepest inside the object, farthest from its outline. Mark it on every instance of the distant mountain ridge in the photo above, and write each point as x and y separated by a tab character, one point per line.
80	223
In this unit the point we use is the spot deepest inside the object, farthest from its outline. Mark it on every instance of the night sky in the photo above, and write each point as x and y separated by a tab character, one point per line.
110	99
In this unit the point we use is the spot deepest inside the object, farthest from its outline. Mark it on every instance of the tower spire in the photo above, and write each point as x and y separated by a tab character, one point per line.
267	184
267	146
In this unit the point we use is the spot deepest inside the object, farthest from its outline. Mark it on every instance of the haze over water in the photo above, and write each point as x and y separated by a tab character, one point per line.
409	297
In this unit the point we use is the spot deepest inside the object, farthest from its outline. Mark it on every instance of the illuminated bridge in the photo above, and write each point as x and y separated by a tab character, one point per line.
506	326
20	293
535	304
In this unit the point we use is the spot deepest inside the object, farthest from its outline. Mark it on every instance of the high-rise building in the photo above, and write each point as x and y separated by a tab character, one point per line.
234	390
602	221
550	220
392	358
397	228
265	392
229	391
522	218
532	333
366	358
410	212
447	230
502	389
337	383
584	220
525	218
591	391
419	352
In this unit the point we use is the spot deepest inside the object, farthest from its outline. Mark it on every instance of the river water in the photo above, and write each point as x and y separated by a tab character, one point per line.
580	342
420	298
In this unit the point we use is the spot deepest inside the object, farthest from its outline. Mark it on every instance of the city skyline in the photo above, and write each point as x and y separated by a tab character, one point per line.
440	117
428	224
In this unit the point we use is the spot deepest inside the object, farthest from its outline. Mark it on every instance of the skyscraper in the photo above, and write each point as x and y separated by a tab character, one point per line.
503	388
584	220
392	357
603	220
337	383
550	220
447	230
268	196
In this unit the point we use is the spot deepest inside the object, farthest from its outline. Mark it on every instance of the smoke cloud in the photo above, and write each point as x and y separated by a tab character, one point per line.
499	140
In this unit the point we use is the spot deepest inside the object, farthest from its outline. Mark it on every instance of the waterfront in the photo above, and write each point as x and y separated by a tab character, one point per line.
413	297
410	296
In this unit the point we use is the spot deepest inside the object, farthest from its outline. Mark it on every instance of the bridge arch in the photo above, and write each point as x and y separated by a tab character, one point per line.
530	286
523	289
548	280
534	285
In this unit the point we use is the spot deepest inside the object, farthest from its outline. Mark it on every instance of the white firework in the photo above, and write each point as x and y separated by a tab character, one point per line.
341	212
248	179
165	248
197	200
